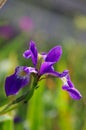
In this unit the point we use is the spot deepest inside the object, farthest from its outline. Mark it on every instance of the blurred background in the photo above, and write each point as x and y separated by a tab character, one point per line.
48	23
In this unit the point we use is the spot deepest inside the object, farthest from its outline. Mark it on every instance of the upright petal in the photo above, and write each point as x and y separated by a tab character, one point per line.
34	52
17	80
54	54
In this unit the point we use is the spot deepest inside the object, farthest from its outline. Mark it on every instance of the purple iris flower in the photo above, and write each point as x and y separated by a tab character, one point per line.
22	73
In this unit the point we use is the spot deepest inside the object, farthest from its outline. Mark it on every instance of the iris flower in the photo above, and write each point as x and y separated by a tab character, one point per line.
21	76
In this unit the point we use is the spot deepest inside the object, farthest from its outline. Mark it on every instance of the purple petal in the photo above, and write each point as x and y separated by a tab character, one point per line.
65	87
46	68
27	54
32	52
16	81
74	93
58	74
69	87
54	54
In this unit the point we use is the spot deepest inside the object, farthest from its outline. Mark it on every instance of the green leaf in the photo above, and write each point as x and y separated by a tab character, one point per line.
8	125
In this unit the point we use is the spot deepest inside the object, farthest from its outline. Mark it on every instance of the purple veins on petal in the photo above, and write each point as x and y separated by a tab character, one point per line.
54	54
16	81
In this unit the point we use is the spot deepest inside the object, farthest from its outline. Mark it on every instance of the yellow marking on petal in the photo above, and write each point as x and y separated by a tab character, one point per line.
64	80
39	56
22	73
40	60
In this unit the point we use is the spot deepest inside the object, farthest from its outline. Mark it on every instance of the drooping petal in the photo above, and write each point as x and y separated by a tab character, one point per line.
70	88
74	93
59	74
17	80
54	54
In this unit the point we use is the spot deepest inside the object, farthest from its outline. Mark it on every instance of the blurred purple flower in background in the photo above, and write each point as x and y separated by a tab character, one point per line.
21	76
26	24
7	31
17	119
